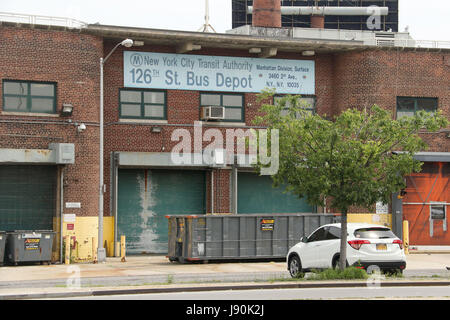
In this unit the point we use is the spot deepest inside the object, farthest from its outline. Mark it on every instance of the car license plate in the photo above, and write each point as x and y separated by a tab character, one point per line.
381	246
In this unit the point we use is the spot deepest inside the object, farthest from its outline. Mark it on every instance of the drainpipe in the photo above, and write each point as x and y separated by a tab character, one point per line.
212	191
61	209
234	174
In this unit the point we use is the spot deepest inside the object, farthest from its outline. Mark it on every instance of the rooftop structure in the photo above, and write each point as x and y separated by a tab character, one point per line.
241	15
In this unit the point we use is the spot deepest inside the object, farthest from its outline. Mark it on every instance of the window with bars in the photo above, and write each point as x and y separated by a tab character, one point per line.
142	104
233	104
29	96
408	106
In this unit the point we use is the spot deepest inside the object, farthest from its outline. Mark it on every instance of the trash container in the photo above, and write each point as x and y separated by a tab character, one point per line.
29	246
238	236
2	246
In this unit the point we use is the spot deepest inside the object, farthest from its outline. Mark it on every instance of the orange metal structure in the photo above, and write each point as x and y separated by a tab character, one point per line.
424	189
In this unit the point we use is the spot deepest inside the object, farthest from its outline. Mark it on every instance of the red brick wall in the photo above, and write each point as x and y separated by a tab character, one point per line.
351	79
72	61
183	110
362	79
354	79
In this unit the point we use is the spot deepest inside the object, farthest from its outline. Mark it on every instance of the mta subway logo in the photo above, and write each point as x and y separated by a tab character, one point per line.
136	60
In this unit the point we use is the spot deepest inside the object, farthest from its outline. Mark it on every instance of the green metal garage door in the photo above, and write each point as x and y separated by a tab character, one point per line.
147	196
256	195
27	197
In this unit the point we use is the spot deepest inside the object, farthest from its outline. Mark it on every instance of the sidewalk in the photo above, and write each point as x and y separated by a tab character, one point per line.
156	274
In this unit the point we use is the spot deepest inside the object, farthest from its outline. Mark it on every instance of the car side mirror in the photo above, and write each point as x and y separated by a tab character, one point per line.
304	239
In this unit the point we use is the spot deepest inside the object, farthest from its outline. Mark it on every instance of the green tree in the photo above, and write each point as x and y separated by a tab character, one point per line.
350	160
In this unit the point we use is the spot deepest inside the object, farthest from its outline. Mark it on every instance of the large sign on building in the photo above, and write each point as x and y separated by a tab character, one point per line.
217	73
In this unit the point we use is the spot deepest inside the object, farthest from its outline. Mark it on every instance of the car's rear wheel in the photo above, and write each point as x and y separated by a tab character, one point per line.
295	267
393	272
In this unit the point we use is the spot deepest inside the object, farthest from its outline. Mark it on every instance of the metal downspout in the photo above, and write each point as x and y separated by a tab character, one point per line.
61	205
212	191
114	195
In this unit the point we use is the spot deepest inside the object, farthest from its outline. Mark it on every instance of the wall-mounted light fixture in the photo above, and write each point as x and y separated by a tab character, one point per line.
67	110
156	129
308	53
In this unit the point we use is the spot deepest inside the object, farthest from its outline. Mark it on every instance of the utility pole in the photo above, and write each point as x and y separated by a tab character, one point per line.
101	253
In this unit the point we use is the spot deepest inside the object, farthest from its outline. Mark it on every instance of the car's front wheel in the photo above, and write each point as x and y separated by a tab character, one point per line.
295	267
335	263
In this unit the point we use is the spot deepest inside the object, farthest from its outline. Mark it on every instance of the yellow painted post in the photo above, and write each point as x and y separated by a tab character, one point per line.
67	251
406	236
73	248
122	249
94	249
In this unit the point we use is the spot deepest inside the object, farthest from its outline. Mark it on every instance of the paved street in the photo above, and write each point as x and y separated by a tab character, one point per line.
382	293
157	274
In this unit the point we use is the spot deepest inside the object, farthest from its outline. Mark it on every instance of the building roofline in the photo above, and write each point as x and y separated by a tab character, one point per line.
235	41
221	40
238	41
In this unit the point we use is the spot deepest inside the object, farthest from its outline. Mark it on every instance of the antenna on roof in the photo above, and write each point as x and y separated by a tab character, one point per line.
206	26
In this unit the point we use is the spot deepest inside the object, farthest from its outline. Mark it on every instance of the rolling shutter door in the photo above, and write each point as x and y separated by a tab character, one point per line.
147	196
256	195
27	197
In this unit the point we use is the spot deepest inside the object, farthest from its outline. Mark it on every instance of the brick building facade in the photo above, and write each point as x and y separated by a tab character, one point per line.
142	184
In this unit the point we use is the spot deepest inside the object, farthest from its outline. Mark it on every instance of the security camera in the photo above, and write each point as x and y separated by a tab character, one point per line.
81	127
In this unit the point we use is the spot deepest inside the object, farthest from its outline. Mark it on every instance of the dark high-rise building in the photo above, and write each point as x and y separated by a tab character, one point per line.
241	17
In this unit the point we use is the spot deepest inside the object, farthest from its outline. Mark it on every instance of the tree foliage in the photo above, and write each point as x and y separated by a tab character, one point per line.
351	160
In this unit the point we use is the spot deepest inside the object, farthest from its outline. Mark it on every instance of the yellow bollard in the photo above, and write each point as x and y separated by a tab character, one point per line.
122	249
67	251
94	249
406	236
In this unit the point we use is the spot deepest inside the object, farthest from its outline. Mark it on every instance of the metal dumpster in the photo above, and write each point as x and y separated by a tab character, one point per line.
29	246
241	236
2	246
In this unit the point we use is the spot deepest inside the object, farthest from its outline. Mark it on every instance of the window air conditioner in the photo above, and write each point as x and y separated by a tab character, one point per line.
213	113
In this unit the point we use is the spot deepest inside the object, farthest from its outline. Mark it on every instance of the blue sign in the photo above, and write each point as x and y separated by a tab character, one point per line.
216	73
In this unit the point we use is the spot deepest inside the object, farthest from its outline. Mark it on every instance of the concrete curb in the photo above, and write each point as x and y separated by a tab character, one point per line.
220	288
186	278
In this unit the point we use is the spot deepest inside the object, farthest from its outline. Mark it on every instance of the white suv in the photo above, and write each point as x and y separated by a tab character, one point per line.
368	244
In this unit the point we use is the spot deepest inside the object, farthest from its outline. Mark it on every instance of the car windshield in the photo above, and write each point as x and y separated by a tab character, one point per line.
374	233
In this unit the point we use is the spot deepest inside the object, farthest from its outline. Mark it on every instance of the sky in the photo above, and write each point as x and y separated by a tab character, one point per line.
426	19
